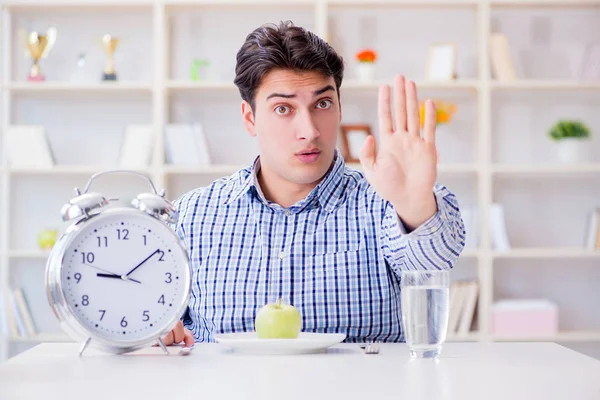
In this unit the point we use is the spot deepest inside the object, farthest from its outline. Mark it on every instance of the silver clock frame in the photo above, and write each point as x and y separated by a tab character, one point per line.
55	291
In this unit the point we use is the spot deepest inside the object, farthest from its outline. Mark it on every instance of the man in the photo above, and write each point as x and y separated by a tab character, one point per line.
297	224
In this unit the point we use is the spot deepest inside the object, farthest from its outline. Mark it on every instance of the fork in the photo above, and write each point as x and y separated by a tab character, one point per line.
371	348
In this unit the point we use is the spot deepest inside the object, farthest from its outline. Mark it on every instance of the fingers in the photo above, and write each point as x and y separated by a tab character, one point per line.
412	109
400	103
367	153
430	122
168	339
385	111
188	338
178	332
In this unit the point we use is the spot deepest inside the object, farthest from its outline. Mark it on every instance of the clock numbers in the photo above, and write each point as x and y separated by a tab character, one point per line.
87	257
124	322
103	312
85	300
162	299
77	277
145	239
169	279
123	234
162	255
102	240
146	315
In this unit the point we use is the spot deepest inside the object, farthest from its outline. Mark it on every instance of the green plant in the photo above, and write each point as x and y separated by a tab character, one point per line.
569	129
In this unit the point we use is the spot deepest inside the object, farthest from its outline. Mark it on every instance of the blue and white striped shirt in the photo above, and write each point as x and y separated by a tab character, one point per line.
336	255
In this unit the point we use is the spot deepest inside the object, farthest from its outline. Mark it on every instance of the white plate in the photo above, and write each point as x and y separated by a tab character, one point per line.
305	343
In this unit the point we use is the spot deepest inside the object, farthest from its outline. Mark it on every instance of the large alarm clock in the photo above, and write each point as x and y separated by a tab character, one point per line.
119	277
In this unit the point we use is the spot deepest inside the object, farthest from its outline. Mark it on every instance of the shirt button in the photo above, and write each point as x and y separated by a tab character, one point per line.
288	212
282	255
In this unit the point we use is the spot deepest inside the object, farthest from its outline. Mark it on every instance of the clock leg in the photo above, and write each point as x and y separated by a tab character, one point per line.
163	346
85	345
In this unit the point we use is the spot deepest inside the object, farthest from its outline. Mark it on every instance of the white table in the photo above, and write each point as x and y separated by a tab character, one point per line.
465	371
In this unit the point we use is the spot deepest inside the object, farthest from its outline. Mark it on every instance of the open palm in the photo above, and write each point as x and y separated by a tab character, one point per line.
403	169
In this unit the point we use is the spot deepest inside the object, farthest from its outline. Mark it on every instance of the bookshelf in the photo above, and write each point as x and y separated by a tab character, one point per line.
495	151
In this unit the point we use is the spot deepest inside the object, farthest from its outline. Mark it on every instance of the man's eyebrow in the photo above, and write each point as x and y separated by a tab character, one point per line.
291	96
323	90
285	96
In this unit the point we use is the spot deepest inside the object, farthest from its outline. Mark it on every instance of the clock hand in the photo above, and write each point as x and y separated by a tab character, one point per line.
101	269
126	276
115	276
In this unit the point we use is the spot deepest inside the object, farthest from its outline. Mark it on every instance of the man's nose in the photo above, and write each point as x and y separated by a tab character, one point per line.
306	127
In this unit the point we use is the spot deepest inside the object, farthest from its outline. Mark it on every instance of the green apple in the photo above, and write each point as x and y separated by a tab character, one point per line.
47	238
278	321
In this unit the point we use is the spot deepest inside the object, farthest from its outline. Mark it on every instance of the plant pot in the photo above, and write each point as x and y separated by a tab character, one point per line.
365	71
573	150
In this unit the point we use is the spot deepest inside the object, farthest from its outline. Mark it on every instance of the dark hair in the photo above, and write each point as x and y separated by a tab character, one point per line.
283	46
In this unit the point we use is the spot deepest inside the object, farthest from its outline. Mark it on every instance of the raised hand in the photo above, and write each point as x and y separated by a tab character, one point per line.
403	170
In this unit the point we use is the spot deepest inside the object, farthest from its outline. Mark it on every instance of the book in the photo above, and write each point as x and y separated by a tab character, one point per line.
498	232
186	144
501	59
592	231
28	147
469	306
25	312
136	148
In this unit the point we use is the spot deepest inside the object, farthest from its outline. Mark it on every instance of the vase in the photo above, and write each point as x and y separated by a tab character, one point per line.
573	150
365	71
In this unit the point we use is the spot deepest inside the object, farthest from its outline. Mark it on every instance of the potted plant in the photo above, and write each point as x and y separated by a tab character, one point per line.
572	139
365	69
444	112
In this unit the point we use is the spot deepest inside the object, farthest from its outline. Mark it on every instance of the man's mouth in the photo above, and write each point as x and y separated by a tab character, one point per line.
309	156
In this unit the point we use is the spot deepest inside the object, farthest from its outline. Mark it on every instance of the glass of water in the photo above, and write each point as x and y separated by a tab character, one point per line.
425	298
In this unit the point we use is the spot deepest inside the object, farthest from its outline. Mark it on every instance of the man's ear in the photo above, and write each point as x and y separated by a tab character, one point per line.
248	118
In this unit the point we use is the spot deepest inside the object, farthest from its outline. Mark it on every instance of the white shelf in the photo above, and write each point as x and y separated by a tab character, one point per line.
237	2
550	253
35	6
202	170
546	169
69	170
469	337
230	169
567	336
37	254
545	84
543	3
430	3
42	337
48	87
346	85
455	84
200	85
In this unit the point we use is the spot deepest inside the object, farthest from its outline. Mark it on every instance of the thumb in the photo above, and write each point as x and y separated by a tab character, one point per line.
367	154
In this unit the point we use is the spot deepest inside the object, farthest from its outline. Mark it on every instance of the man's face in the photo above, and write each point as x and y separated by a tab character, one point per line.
296	121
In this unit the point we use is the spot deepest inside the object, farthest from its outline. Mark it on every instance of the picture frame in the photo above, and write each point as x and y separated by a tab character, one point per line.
441	62
352	139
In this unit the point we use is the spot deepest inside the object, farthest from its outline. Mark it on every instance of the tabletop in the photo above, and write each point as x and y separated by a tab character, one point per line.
464	371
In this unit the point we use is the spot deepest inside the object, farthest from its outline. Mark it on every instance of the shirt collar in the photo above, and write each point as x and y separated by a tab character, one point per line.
328	192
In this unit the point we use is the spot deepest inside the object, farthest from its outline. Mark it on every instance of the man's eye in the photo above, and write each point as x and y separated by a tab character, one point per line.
324	104
282	110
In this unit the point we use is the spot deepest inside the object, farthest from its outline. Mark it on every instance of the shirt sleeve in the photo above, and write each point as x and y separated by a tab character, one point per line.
435	244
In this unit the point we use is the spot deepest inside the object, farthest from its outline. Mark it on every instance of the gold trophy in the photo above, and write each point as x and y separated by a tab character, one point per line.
109	44
39	45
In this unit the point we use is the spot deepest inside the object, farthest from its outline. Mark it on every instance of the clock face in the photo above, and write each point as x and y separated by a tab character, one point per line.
124	276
